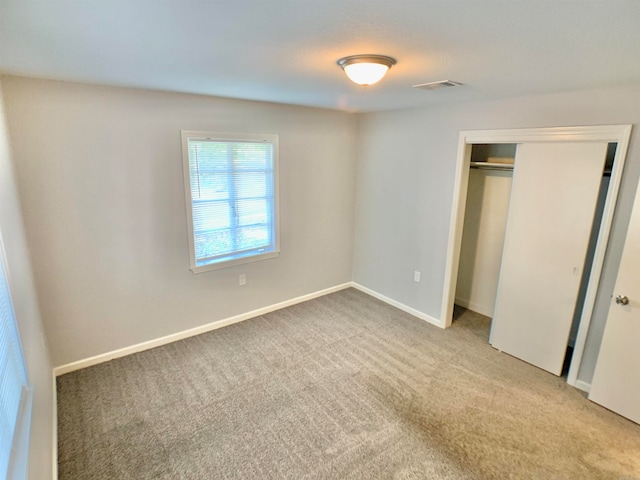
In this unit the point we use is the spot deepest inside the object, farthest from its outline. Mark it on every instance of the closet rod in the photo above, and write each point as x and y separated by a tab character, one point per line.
491	166
509	166
506	167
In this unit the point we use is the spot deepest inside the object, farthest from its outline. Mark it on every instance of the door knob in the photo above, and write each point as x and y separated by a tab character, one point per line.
622	300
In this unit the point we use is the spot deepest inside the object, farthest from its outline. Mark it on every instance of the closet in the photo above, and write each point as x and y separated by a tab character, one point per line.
532	217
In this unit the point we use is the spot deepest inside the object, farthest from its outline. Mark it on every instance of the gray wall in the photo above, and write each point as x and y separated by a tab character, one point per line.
100	177
99	174
27	312
406	168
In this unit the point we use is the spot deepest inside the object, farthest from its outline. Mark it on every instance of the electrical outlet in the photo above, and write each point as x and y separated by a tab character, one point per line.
416	276
242	280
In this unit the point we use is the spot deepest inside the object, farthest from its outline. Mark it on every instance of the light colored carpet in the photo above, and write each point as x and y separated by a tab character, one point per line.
343	386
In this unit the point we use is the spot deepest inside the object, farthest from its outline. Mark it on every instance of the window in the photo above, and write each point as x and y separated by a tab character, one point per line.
15	396
231	188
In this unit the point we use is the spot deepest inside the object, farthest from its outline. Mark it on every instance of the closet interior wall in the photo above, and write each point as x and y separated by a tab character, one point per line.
484	227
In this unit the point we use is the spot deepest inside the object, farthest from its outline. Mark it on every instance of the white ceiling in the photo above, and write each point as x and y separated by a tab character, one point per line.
285	50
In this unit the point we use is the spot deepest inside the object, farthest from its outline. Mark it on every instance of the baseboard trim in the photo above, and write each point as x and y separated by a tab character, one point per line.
174	337
476	307
582	385
401	306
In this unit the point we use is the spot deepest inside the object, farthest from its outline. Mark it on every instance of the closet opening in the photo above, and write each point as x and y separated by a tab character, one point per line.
487	205
485	220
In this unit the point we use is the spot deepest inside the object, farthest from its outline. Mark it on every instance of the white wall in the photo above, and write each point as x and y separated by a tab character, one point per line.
406	169
485	222
100	177
39	367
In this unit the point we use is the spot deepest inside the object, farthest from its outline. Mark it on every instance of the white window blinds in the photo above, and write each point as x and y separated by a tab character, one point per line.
232	198
14	379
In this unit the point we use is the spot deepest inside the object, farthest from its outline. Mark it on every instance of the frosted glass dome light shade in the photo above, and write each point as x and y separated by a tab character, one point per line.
366	69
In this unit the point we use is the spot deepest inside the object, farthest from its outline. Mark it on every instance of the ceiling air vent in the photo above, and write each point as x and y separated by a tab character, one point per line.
436	85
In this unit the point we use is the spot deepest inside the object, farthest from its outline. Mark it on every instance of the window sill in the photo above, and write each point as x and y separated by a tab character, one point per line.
235	261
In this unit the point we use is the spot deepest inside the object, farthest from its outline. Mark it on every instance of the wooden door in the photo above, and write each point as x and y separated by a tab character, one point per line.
616	381
551	209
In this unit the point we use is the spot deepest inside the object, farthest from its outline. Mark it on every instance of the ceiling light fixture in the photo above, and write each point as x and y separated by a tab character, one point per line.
366	69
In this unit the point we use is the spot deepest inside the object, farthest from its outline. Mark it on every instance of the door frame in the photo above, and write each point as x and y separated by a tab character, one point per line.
619	134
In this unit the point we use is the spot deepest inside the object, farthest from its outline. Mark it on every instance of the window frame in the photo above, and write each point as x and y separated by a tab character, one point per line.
19	455
273	140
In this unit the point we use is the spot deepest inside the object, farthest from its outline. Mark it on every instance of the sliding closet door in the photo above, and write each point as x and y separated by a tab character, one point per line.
553	199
